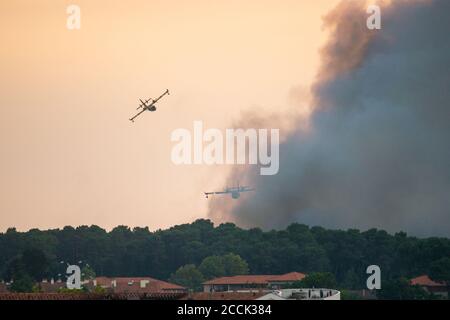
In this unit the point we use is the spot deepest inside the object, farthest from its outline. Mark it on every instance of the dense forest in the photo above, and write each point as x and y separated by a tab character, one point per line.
159	254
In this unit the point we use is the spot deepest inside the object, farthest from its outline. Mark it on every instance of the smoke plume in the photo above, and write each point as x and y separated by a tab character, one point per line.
376	152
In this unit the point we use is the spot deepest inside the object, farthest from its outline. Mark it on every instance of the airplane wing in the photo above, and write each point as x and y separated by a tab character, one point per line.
157	99
132	119
215	192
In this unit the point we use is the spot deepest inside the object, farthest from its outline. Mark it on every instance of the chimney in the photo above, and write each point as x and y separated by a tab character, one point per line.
144	283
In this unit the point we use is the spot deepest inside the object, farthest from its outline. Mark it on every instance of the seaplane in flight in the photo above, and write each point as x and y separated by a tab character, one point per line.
234	191
148	104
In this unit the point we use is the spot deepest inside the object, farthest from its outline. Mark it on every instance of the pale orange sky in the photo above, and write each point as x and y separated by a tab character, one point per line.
69	155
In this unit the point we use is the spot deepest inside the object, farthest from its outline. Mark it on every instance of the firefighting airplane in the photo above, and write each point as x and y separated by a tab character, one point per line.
234	191
150	107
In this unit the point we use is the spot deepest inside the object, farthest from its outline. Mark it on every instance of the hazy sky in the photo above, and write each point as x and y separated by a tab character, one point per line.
69	155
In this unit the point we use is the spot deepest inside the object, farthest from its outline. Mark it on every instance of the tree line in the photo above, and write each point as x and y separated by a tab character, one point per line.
210	251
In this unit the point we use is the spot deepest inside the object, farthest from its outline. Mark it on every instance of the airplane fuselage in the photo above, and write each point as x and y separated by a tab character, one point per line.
235	194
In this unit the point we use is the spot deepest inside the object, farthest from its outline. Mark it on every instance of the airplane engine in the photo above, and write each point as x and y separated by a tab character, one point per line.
235	195
153	108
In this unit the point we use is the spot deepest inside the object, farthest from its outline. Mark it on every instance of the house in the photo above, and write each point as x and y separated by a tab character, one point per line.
437	288
44	286
49	296
119	286
51	286
251	282
140	285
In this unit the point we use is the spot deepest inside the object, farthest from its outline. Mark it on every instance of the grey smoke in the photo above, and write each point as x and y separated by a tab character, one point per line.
378	152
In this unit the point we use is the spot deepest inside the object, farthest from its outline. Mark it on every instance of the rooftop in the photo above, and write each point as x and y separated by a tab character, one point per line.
137	284
257	279
424	280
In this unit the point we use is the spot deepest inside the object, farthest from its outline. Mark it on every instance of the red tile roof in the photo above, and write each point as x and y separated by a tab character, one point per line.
133	284
291	276
50	296
92	296
257	279
103	281
424	280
